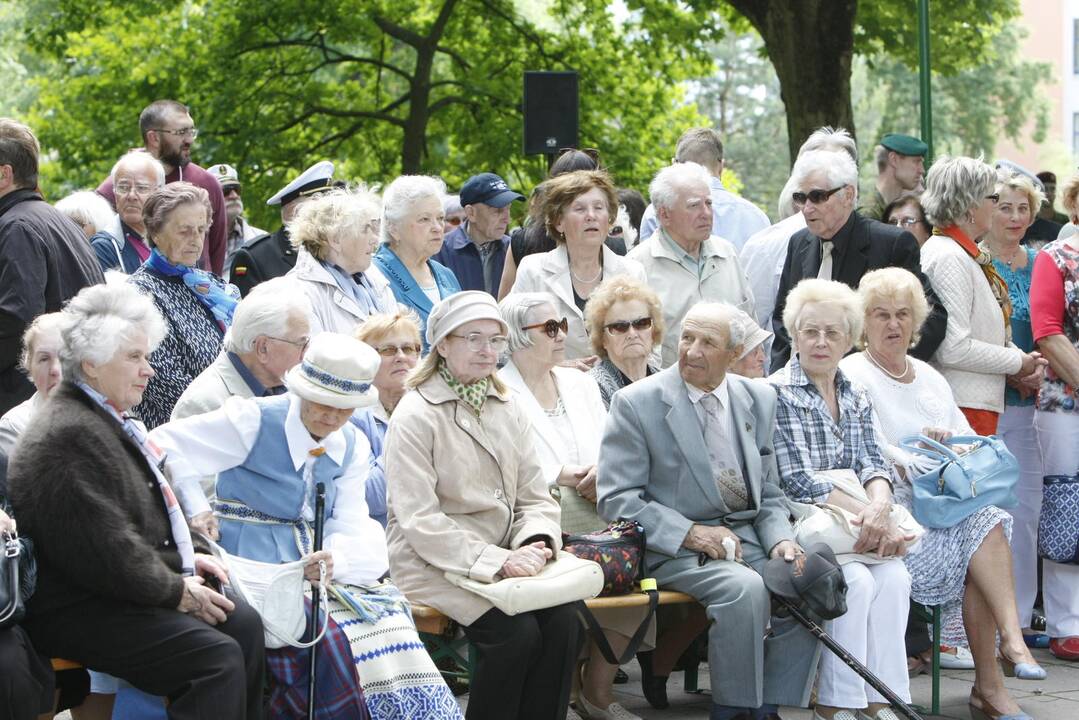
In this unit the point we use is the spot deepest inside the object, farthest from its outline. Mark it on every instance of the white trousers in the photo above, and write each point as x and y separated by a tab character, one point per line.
872	630
1058	434
1019	433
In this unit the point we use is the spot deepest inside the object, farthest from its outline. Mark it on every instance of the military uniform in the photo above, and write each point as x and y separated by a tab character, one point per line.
262	258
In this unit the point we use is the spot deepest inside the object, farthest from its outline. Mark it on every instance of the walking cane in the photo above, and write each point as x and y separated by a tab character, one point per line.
316	591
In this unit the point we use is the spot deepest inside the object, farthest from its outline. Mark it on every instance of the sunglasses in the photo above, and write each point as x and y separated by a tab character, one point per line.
622	326
228	190
815	196
995	197
551	327
593	153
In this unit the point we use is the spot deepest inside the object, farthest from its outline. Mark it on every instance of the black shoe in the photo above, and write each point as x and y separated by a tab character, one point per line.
620	677
654	686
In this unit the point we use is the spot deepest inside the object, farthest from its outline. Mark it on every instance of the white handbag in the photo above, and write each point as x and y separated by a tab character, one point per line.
566	579
276	591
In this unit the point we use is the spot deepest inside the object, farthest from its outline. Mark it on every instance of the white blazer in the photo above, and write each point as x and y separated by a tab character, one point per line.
333	310
549	272
584	408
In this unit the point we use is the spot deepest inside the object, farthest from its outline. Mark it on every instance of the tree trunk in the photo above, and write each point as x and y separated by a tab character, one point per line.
811	44
415	135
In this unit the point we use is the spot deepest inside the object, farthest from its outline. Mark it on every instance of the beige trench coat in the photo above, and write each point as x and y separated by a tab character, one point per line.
462	492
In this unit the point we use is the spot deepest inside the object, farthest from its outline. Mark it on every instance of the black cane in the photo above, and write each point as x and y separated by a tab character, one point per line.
316	591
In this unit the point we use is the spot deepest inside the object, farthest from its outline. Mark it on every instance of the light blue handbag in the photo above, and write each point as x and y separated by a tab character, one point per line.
984	474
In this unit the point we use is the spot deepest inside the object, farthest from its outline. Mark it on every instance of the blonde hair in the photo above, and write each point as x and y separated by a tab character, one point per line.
1069	196
812	291
49	322
620	288
379	325
893	283
428	368
559	192
331	214
1022	184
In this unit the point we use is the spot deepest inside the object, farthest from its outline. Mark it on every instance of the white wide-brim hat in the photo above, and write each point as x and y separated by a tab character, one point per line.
337	370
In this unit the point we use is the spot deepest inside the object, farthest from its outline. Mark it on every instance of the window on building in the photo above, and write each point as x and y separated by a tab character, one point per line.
1075	46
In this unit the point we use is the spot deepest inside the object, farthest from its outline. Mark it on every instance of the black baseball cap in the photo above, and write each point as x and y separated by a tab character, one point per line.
489	189
814	580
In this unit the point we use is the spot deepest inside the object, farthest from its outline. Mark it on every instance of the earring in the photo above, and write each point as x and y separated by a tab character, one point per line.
970	218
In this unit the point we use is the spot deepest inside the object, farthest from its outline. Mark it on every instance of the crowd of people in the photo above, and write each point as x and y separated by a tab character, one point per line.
461	396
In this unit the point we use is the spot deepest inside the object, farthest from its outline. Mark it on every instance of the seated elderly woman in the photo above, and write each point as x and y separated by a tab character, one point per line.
412	218
753	360
824	424
197	306
567	416
396	338
965	568
624	322
335	235
578	210
269	454
40	360
467	495
121	586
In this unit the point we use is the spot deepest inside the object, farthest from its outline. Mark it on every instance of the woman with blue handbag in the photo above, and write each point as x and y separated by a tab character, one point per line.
962	567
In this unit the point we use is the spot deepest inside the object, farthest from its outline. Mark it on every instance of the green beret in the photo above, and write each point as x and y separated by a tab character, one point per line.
904	144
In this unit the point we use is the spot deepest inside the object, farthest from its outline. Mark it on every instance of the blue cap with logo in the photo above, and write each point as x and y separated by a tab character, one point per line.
489	189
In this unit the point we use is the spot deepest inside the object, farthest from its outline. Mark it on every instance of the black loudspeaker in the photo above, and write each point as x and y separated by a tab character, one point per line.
550	109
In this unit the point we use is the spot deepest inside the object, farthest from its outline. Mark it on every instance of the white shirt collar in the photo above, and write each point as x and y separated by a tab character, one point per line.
300	442
721	393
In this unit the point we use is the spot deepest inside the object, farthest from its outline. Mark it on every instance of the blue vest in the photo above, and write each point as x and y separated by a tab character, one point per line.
269	526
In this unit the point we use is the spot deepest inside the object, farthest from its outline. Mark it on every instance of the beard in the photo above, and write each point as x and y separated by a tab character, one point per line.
177	157
234	209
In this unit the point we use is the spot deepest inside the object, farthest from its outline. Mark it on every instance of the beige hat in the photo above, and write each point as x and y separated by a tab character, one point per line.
458	309
337	370
752	333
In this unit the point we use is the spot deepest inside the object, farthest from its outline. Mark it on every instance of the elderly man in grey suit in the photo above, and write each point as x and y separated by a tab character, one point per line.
688	454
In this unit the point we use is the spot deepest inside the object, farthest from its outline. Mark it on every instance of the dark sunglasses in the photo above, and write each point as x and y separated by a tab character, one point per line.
622	326
231	189
995	197
815	196
551	327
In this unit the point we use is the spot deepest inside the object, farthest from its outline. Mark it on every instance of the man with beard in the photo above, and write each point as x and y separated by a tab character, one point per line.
168	132
900	168
240	231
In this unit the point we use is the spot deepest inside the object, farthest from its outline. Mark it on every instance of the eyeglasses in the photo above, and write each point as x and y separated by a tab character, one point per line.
831	335
126	188
904	222
226	191
390	351
302	343
191	132
622	327
551	327
995	197
815	196
477	342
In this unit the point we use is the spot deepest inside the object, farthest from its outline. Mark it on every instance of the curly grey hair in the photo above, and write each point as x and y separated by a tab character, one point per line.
402	194
333	214
670	180
954	186
515	308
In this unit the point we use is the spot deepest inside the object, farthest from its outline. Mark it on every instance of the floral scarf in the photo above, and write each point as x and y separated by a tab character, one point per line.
985	260
216	295
474	395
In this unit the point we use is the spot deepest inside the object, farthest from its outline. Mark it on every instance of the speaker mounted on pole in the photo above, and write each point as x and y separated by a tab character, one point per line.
550	112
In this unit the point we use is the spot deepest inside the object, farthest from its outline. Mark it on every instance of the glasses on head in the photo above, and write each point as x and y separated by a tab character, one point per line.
551	327
995	197
126	188
390	351
477	342
302	343
230	189
592	153
831	335
815	196
622	327
191	132
904	222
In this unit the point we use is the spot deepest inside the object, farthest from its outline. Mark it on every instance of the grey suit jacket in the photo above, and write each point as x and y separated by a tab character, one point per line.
654	465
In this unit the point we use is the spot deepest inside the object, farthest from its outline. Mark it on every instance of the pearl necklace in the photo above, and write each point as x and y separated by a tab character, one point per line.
886	371
582	280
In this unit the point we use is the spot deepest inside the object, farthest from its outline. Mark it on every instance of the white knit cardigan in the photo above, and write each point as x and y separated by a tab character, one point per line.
974	357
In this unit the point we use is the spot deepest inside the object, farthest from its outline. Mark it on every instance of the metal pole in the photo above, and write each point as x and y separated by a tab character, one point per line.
925	94
320	512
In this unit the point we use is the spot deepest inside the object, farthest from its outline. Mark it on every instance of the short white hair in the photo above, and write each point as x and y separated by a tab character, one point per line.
833	139
813	291
402	194
669	181
141	158
839	168
98	320
267	310
514	309
86	207
721	314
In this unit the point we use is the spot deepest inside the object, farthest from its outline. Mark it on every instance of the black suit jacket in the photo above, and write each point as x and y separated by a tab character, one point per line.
262	258
869	245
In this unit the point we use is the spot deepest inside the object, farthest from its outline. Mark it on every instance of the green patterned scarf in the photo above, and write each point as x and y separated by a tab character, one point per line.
474	395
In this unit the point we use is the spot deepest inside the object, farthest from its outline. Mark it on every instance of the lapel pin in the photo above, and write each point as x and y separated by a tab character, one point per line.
749	428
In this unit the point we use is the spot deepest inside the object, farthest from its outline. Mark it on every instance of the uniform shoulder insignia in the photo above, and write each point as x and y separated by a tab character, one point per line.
239	270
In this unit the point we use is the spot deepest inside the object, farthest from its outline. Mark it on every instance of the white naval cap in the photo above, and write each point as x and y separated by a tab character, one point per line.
316	178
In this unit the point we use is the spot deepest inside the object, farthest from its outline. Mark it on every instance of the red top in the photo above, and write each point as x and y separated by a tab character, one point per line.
1046	298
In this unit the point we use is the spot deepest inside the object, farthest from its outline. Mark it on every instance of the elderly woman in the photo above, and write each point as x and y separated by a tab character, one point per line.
196	305
976	356
824	431
1054	319
906	212
269	454
121	586
396	338
961	568
1015	212
40	360
467	494
752	361
624	323
412	219
335	235
578	209
121	244
90	211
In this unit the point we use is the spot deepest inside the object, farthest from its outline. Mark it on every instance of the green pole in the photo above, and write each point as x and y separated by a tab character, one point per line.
923	77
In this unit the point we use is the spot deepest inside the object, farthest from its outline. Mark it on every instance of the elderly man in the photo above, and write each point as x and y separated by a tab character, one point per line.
168	134
688	454
733	218
900	169
122	245
685	263
239	230
44	257
476	250
839	244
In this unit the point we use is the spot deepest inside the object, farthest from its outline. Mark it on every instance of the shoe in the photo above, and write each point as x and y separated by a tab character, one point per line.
620	677
1022	671
571	714
1036	640
841	715
984	711
885	713
614	711
654	686
1065	648
916	666
961	659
